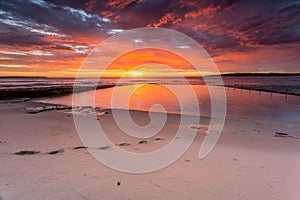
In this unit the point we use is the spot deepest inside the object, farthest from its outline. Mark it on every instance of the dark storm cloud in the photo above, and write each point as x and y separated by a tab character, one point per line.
218	24
135	13
68	27
32	22
279	26
244	24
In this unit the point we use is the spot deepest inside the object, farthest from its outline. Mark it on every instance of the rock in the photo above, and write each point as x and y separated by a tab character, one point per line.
124	144
34	110
56	152
27	152
281	133
80	147
143	142
159	138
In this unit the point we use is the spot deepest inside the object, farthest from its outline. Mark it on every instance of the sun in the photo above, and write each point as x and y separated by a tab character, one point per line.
135	73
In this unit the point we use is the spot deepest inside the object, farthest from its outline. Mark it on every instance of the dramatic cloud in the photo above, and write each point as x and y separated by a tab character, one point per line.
55	36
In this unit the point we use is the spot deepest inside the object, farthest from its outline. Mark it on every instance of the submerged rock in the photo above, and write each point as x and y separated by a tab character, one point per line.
108	148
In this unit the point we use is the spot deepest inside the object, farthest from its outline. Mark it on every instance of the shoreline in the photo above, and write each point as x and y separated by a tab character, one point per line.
44	107
34	92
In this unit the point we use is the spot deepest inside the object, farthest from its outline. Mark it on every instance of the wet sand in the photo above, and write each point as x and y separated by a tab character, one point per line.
42	157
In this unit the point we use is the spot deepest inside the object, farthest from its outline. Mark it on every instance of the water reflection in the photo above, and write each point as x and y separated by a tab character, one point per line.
241	104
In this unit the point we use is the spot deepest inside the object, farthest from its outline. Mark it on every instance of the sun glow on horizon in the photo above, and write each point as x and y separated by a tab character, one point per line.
135	73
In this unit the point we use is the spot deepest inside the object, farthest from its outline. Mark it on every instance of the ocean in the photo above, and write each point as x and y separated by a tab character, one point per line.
290	84
241	103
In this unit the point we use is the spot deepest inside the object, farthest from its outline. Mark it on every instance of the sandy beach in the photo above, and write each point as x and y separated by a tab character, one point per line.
252	160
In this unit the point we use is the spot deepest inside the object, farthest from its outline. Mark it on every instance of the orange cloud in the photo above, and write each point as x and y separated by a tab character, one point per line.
107	14
90	5
121	4
167	18
264	59
148	58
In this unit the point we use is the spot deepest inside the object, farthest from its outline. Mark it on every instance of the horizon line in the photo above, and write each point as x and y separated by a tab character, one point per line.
130	77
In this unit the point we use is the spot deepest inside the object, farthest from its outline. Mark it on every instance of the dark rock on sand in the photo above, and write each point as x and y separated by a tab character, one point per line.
26	152
56	152
159	138
143	142
284	135
123	144
80	147
38	109
281	133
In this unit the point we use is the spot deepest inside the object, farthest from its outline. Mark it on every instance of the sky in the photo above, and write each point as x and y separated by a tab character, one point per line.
53	37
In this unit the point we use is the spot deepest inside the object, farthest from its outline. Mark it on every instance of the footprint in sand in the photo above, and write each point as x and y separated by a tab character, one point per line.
3	142
255	129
